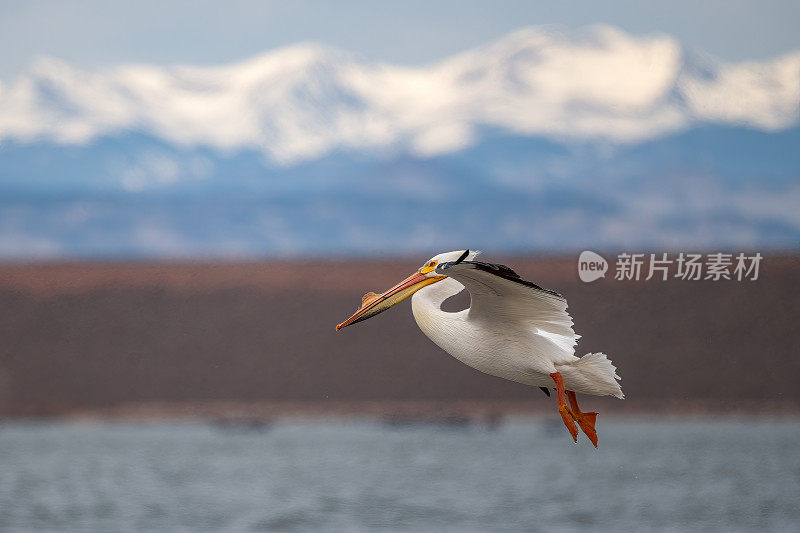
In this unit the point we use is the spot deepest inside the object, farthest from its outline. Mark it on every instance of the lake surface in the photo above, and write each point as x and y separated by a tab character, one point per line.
525	475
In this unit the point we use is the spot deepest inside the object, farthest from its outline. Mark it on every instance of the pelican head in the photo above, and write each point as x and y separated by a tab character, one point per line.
373	304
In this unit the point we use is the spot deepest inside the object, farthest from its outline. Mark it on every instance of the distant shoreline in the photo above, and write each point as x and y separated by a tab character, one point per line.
410	411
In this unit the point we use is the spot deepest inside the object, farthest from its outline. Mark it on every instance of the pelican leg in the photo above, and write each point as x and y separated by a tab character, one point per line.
585	420
566	413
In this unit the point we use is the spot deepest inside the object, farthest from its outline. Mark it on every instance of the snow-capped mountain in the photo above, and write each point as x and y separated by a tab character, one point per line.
305	101
592	137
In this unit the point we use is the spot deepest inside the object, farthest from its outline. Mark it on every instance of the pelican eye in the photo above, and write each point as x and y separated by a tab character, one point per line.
428	267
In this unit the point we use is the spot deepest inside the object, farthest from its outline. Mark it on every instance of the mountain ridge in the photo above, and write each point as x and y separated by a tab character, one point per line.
542	140
303	101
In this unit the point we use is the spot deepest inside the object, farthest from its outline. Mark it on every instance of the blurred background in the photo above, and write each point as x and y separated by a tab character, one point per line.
193	194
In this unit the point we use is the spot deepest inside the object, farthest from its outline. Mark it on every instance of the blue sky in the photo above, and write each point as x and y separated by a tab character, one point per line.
92	33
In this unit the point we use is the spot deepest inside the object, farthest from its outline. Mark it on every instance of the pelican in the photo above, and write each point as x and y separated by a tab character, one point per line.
513	329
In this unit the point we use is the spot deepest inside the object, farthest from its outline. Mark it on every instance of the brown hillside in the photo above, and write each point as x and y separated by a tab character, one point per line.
95	336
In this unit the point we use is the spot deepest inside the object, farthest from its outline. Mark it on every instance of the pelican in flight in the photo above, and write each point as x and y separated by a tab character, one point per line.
513	329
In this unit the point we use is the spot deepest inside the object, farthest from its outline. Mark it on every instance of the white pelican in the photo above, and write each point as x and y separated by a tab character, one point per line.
513	329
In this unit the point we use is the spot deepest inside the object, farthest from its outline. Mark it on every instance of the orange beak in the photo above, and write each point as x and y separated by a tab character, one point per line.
373	304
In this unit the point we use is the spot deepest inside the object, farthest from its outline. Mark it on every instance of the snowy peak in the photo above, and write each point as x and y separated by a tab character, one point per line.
598	83
301	102
761	95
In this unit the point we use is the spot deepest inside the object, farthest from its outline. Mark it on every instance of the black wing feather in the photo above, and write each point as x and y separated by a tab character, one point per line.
498	270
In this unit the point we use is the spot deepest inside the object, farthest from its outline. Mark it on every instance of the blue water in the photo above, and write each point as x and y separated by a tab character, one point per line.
692	475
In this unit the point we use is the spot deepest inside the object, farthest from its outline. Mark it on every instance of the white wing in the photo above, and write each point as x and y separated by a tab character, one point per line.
498	294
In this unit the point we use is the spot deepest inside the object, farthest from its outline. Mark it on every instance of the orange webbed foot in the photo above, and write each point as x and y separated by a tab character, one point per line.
569	420
586	421
566	413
